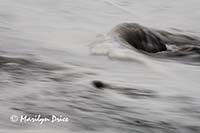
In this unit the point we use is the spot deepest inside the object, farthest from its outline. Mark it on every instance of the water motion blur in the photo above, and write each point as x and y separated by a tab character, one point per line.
106	65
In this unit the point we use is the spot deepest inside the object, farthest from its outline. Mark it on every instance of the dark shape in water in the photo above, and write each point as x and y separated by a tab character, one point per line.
130	92
99	84
150	40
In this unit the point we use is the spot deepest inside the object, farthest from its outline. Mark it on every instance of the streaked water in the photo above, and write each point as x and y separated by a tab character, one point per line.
51	51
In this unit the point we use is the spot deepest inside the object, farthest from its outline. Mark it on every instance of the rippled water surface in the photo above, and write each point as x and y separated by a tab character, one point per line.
51	51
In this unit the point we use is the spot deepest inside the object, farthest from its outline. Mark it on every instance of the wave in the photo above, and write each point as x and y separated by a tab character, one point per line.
152	42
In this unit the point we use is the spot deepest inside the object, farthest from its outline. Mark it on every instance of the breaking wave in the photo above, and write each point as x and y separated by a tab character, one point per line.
133	37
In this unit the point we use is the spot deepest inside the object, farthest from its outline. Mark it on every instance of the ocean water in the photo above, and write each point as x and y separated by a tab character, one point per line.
51	52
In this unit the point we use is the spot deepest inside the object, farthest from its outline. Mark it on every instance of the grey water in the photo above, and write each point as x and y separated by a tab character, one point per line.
51	52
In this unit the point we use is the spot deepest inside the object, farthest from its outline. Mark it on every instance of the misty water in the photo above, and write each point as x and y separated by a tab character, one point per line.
52	50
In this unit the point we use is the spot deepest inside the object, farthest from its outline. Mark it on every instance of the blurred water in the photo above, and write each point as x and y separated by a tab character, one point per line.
47	67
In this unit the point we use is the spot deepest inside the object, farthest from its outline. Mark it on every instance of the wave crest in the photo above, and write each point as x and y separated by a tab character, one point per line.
149	41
